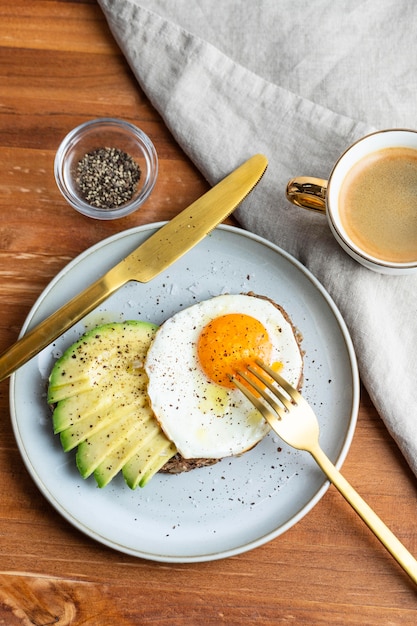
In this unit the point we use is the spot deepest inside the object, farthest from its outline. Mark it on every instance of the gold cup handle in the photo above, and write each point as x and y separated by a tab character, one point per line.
308	193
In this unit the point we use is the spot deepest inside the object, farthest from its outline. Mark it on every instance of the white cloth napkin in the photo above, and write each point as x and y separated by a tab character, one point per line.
298	81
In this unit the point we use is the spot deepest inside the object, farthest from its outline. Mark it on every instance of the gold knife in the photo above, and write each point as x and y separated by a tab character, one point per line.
162	249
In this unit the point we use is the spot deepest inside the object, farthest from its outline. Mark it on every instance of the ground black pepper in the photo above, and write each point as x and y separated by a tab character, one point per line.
107	178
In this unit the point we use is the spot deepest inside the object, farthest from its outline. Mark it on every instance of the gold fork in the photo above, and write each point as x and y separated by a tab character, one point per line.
289	414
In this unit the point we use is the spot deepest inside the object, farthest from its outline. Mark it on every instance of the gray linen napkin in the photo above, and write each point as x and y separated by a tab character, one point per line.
298	81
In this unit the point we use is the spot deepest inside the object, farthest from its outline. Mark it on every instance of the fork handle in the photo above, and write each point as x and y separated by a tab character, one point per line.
384	534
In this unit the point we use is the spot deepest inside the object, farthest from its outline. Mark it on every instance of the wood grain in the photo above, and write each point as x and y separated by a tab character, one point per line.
60	66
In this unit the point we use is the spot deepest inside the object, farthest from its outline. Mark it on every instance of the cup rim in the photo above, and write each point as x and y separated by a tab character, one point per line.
338	230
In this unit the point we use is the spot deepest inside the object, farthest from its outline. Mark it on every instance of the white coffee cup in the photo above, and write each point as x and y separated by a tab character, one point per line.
370	200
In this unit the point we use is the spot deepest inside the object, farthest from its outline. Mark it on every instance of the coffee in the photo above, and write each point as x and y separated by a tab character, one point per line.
378	204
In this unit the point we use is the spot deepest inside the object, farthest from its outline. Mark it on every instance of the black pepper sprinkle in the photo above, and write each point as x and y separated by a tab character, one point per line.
107	177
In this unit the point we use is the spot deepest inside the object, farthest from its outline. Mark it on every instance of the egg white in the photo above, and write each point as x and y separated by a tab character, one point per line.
202	418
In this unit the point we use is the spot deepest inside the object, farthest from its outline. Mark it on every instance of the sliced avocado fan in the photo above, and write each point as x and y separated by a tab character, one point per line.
98	390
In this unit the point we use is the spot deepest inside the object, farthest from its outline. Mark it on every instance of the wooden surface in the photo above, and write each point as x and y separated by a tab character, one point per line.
60	66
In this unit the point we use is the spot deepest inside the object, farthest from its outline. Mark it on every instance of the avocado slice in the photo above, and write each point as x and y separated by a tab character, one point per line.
148	460
144	436
98	390
94	450
98	356
82	415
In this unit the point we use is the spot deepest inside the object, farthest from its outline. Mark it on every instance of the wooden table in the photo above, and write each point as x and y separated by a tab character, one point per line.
59	66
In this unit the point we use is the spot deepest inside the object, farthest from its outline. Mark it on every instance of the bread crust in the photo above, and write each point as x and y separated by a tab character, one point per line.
177	464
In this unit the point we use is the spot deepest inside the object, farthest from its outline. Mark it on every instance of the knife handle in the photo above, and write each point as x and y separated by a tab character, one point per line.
64	318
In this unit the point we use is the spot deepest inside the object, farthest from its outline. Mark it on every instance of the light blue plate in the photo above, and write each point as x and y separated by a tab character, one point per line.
239	503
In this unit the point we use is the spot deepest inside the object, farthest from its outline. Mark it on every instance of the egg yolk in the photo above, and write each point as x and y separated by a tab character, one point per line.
231	342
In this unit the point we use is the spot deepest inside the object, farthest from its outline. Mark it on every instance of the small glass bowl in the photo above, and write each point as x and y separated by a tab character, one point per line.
105	133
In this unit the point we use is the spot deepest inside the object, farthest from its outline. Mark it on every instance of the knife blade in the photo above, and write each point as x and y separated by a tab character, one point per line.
160	250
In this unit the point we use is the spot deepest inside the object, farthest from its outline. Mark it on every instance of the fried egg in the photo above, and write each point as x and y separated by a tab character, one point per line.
189	365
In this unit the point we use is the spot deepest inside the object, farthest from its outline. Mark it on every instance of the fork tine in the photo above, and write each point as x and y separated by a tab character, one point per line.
277	393
280	410
290	390
257	403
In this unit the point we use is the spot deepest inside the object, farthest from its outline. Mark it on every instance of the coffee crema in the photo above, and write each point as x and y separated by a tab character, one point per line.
378	204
